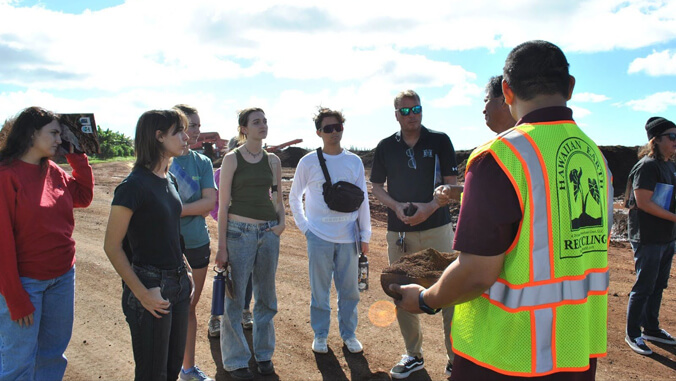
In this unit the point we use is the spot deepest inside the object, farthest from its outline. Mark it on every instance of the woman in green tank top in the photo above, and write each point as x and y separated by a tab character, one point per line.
249	226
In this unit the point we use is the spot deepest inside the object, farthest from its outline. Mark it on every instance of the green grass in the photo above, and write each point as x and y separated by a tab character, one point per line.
93	160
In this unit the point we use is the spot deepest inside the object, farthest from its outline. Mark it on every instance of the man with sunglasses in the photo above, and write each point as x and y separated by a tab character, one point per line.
530	286
332	252
414	161
652	231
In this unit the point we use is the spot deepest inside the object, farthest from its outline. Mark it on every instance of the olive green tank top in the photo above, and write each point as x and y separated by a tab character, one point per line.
250	194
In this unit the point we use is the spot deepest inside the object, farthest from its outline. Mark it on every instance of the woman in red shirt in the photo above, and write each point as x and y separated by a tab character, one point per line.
37	252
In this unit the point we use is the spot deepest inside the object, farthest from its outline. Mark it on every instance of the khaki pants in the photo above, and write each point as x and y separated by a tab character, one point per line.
440	239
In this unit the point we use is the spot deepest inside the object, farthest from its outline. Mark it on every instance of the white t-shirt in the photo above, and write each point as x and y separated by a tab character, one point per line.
327	224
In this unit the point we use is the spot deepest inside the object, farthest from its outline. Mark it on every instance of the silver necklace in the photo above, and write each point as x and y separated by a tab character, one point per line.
253	155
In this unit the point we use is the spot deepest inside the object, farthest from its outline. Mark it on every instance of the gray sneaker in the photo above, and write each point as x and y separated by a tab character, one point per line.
406	366
247	319
195	374
214	326
660	336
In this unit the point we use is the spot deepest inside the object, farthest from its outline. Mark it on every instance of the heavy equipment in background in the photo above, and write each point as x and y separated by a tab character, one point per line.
206	142
280	147
211	145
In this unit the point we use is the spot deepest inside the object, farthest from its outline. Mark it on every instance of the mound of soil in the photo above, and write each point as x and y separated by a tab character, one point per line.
428	263
291	156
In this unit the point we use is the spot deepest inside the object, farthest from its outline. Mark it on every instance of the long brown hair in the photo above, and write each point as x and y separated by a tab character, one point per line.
243	120
148	149
20	132
651	149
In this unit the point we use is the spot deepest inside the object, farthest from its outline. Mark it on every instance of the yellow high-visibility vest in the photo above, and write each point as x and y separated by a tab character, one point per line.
547	312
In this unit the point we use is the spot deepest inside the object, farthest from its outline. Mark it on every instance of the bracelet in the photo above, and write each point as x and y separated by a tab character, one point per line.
424	307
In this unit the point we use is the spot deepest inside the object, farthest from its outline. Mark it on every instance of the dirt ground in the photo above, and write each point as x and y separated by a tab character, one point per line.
100	347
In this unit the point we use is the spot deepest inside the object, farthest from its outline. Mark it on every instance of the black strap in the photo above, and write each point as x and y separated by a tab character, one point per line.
322	162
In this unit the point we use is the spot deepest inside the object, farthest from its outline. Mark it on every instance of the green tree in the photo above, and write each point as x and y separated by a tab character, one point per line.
114	144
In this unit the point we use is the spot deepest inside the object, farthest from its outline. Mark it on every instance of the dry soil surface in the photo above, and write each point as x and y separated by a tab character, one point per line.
100	347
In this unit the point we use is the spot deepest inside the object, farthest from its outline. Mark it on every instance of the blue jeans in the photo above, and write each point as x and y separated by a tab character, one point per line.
338	261
253	250
653	263
36	352
158	344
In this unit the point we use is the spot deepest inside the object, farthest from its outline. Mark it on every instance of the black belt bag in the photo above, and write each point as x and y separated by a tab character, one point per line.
342	196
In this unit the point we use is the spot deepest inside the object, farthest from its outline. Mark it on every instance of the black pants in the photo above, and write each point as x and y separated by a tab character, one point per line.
158	344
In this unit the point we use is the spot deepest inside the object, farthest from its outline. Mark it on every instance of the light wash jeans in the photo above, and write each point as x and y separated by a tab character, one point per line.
653	264
252	249
339	261
36	352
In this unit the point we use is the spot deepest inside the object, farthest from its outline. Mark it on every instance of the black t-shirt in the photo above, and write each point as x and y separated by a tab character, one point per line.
155	227
411	177
644	227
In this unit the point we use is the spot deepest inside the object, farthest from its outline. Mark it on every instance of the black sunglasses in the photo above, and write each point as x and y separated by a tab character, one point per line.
407	110
329	128
670	135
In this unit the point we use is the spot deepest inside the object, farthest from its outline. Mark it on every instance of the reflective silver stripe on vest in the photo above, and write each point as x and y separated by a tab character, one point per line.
544	321
611	191
538	194
540	295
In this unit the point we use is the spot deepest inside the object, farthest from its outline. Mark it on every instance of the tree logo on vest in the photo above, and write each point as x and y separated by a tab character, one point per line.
581	186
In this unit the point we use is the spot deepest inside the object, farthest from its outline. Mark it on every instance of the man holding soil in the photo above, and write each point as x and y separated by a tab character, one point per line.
531	283
414	161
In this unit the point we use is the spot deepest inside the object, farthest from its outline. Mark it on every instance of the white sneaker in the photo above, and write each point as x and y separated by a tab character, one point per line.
353	345
319	345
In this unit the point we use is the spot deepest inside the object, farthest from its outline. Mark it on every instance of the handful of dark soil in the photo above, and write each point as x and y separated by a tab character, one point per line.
423	268
427	263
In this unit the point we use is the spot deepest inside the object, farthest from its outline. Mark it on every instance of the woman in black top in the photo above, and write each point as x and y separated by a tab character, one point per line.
143	244
652	231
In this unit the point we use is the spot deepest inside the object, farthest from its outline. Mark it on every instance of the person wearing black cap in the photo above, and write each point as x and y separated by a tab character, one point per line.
652	231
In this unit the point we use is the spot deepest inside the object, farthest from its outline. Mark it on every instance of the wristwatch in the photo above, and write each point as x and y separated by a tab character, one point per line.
424	307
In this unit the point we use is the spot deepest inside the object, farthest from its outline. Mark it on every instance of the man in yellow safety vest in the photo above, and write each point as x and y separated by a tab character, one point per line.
530	285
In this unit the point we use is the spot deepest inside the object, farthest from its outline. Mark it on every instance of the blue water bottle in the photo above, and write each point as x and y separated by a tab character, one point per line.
218	295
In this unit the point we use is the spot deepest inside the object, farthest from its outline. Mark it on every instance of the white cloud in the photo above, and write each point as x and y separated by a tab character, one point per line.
656	64
589	97
658	102
459	95
579	112
158	43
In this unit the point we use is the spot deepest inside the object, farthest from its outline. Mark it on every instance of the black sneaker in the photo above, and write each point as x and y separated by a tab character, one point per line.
241	374
266	367
638	345
660	336
449	368
406	366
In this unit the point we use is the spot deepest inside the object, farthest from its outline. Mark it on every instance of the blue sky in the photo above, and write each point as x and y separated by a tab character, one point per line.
121	58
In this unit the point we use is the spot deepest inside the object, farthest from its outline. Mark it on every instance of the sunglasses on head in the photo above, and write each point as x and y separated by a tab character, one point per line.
407	110
670	135
329	128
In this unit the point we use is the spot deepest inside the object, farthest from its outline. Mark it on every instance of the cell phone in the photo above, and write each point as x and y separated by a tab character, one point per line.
410	210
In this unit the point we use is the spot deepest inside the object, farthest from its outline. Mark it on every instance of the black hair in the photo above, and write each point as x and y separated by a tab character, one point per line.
20	132
537	68
494	86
